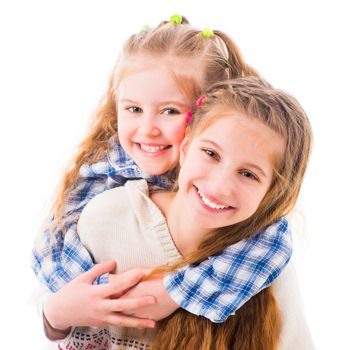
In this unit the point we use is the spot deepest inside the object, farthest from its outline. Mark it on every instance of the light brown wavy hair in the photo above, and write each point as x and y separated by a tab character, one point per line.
256	325
214	59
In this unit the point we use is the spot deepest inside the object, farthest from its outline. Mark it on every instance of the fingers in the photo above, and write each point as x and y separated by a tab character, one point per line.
127	304
113	277
120	320
98	270
145	270
122	282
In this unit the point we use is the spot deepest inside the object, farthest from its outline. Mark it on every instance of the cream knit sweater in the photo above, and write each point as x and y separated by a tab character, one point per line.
122	224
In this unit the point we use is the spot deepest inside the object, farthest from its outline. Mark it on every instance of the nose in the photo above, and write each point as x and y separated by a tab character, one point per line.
149	125
222	183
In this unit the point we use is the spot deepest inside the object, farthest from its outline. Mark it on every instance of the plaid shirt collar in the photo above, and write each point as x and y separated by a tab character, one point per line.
122	164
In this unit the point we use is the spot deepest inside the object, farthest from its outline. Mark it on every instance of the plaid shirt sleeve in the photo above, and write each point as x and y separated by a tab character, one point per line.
59	258
220	285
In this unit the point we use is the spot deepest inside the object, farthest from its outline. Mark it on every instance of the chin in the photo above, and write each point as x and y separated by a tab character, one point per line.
153	170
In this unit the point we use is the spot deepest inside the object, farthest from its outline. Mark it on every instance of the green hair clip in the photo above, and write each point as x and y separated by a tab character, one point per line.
176	19
146	27
207	33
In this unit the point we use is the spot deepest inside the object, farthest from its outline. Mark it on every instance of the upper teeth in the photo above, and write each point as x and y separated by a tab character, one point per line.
211	204
151	149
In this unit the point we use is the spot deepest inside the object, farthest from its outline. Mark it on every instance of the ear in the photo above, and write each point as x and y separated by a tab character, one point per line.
183	149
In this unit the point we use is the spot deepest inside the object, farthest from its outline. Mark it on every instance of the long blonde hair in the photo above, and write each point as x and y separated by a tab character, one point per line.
218	55
256	325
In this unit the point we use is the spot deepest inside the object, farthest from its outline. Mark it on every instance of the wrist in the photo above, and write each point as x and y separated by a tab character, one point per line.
53	333
52	317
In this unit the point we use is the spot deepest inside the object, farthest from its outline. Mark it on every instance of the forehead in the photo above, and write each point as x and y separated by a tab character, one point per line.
183	74
149	87
240	134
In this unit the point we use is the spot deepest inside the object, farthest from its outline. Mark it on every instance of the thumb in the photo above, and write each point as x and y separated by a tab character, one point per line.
98	270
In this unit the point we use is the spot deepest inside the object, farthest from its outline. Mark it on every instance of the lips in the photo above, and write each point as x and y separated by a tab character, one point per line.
211	203
152	148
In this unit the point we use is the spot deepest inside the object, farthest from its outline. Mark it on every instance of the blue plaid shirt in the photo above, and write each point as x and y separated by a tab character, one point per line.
215	288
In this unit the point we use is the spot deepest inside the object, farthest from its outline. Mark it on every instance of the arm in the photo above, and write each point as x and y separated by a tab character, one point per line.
219	286
163	306
81	303
56	261
59	258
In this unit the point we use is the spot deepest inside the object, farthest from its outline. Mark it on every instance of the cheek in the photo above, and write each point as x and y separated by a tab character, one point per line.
185	170
176	132
122	136
258	197
192	168
250	198
124	129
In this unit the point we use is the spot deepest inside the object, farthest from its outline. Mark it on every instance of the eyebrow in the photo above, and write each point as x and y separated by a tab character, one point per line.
247	164
126	100
212	142
179	104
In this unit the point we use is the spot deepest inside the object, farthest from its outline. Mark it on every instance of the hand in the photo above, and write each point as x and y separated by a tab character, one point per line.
80	303
164	305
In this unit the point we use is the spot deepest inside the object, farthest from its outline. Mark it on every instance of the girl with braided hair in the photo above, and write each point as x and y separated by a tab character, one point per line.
245	131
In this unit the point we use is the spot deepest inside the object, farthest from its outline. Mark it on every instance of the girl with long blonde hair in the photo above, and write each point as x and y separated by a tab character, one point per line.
242	164
136	133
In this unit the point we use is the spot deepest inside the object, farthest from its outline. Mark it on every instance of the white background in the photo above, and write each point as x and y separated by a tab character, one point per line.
56	57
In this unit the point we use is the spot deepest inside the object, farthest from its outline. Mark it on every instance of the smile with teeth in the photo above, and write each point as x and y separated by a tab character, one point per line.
152	148
210	203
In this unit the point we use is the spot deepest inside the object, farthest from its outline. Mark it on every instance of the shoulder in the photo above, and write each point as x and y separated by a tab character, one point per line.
137	187
162	200
113	207
277	235
118	196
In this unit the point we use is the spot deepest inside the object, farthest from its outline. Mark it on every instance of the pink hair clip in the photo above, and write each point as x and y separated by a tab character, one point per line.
199	101
188	117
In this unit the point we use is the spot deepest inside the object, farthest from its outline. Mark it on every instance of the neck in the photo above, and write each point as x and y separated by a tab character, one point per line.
185	234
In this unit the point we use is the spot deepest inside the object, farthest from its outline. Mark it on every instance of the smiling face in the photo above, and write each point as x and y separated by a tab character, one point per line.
151	118
226	170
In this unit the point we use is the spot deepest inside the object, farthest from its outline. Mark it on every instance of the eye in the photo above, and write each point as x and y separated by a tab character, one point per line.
170	111
134	109
248	174
210	153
